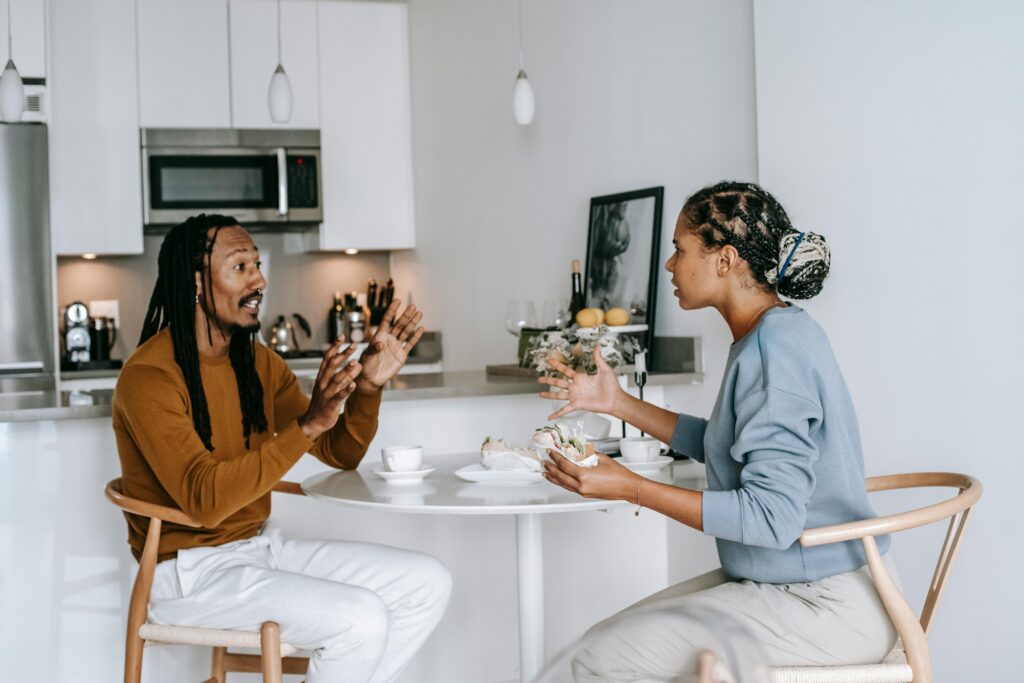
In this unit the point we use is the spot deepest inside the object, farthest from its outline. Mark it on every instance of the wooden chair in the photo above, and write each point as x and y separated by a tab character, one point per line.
273	660
912	664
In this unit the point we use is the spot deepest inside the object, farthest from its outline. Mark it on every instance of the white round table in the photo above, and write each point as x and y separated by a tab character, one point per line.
443	493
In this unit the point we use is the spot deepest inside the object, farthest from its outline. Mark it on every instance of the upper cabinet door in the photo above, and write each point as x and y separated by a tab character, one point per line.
254	58
28	32
183	64
366	126
95	176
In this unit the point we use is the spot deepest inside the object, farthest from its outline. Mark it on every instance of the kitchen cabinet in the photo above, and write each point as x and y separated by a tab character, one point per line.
254	57
28	33
95	176
365	127
183	64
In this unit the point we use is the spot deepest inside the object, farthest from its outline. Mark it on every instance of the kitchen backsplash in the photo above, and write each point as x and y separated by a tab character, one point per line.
297	283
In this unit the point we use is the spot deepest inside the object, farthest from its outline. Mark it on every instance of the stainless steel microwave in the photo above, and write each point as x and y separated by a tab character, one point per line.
261	177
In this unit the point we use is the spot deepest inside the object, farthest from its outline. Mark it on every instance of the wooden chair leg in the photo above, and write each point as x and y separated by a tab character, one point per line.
270	651
133	656
217	674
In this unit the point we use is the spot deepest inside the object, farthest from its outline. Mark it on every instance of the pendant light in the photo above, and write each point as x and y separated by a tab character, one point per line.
279	96
523	103
12	90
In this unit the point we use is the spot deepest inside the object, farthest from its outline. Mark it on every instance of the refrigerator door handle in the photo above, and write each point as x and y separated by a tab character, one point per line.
21	368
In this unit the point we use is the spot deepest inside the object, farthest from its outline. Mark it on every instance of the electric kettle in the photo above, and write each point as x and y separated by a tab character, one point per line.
282	334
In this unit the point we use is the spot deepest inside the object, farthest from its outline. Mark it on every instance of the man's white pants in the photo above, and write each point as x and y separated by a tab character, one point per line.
363	609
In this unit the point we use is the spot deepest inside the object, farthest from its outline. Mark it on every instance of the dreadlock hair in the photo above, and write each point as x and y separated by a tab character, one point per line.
781	258
186	251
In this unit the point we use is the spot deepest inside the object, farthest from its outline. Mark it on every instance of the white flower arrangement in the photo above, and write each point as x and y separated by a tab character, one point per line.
575	347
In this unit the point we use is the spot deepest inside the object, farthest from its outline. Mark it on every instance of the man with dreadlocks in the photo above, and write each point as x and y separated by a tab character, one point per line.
207	420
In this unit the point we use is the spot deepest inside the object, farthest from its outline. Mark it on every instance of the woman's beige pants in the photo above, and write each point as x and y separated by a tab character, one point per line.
838	620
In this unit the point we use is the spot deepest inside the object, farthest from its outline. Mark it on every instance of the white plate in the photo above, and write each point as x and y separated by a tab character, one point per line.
649	466
414	477
478	474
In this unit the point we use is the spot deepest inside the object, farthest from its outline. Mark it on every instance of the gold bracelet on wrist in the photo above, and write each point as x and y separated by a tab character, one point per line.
638	506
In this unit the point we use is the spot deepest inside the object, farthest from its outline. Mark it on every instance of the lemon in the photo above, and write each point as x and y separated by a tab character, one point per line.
617	316
587	317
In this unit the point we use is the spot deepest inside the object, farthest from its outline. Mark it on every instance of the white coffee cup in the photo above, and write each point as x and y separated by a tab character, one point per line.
402	458
639	448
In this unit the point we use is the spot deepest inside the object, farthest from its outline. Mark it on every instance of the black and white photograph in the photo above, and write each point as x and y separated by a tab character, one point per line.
622	243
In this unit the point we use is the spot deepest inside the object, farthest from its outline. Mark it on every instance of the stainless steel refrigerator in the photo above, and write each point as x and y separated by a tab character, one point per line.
27	341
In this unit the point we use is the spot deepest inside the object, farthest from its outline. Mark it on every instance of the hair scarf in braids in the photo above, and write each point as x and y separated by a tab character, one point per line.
186	251
749	218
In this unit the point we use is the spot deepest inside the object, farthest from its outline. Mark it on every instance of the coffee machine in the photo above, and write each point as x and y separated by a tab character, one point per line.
77	340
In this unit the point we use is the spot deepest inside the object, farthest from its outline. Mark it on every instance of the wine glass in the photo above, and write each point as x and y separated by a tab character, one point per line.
519	314
556	313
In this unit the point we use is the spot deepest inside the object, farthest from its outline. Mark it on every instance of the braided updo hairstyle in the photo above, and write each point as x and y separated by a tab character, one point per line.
781	258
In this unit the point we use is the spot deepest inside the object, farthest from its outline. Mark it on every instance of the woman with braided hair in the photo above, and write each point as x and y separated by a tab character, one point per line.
207	420
782	451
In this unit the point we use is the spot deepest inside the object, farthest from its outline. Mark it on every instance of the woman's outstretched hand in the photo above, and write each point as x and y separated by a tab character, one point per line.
608	480
597	393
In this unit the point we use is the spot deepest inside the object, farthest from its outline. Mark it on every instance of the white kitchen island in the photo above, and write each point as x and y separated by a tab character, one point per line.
65	568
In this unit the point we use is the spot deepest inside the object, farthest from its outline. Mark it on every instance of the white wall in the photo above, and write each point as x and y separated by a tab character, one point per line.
895	129
629	95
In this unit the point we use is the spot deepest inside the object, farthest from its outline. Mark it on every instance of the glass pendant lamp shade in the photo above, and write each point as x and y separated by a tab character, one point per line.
12	94
279	96
523	104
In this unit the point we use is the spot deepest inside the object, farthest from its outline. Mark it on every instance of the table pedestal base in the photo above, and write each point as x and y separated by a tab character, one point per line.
530	554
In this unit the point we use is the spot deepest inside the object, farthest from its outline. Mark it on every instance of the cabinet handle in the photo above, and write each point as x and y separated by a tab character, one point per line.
282	181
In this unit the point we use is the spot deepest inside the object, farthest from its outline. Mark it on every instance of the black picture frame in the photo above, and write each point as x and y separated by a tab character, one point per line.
623	255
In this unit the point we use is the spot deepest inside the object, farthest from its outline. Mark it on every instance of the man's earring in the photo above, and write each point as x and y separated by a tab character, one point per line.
197	297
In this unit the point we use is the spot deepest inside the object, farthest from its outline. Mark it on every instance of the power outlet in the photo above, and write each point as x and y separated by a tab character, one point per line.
106	308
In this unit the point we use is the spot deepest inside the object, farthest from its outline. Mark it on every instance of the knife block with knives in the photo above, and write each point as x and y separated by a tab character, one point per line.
378	299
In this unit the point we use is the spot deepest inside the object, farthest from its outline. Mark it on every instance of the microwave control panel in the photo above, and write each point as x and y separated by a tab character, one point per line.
302	182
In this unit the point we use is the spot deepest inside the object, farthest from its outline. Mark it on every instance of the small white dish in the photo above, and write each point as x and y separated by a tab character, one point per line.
478	474
649	466
403	478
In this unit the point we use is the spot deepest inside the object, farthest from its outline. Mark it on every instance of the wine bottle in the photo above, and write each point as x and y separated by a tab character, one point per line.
335	319
576	303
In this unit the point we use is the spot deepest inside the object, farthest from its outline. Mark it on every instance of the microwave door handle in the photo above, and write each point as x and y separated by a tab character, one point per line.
282	181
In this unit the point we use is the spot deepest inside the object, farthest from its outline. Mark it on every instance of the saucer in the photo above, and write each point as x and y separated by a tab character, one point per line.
404	478
478	474
649	466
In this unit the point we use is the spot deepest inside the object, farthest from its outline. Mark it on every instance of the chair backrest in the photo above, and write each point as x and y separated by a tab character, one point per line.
912	629
138	607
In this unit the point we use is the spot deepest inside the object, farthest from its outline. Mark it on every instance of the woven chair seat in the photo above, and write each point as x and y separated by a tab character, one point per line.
187	635
893	669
